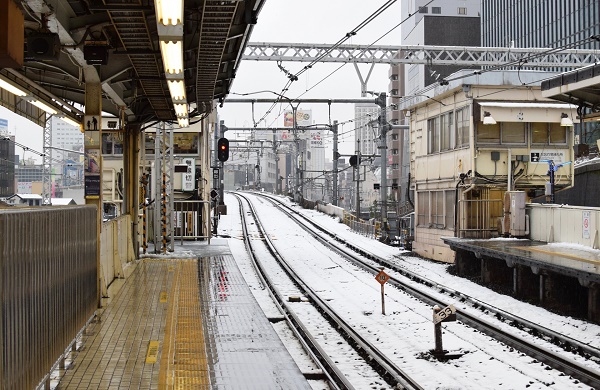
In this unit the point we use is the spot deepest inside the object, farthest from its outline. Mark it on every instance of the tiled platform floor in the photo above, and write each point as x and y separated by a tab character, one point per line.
183	324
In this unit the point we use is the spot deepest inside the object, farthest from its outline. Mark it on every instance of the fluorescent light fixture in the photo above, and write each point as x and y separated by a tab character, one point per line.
172	56
183	122
69	121
565	120
487	119
4	84
180	109
169	11
177	90
43	106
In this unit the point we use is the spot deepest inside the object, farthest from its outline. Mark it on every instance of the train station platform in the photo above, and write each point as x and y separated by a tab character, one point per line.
559	276
181	323
569	260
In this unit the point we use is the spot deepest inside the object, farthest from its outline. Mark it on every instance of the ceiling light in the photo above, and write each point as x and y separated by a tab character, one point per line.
4	84
43	106
177	90
565	120
183	122
181	110
169	11
488	119
70	121
172	55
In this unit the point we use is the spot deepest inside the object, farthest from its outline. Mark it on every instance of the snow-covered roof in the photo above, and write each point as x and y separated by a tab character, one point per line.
62	201
27	196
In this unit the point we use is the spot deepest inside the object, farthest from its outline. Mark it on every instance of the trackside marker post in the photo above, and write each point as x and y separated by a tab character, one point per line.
382	278
440	315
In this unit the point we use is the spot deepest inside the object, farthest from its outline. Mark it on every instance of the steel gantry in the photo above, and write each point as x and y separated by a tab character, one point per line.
430	55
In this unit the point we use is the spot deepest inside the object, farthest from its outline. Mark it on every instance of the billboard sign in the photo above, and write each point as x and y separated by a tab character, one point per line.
303	118
316	138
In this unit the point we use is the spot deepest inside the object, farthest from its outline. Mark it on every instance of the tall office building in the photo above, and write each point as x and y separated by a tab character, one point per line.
365	134
64	135
441	23
544	23
540	23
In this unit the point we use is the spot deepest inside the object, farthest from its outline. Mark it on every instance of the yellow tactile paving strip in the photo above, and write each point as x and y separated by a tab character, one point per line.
183	363
183	324
149	337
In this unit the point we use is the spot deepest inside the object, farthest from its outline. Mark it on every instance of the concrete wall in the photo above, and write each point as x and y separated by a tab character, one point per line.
563	223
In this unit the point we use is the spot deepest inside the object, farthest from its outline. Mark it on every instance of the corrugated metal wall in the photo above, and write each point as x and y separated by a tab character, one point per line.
48	287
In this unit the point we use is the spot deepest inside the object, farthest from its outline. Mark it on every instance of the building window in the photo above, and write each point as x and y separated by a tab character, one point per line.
394	151
513	132
423	209
462	10
436	10
558	134
462	127
446	125
395	136
437	209
433	134
112	143
449	211
548	133
423	10
488	134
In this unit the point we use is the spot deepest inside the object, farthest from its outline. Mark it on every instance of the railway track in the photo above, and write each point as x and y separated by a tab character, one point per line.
422	288
372	356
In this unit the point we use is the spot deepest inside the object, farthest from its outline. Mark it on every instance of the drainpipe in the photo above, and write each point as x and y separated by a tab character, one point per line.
461	180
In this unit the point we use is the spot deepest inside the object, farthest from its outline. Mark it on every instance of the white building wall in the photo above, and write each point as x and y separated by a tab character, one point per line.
365	133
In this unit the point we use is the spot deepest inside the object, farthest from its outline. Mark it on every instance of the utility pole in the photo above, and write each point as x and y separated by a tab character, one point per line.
335	196
383	127
357	178
221	132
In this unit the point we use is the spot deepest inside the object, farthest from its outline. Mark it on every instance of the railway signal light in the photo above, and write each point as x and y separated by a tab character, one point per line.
354	160
223	149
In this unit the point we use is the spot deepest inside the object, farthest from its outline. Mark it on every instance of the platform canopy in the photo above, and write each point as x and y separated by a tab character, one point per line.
579	87
122	45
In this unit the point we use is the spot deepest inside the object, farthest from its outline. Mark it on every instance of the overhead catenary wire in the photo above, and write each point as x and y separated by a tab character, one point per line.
347	36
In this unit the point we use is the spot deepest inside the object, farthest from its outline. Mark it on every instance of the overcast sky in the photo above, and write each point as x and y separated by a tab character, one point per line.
309	21
313	21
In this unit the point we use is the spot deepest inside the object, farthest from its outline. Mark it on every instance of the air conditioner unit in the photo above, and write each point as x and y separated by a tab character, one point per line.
43	46
514	220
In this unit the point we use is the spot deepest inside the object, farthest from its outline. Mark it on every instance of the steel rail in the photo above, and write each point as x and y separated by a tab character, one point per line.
389	371
336	379
568	366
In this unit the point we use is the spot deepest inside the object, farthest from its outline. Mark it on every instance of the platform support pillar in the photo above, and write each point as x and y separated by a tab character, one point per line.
93	151
594	302
542	296
485	271
516	281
